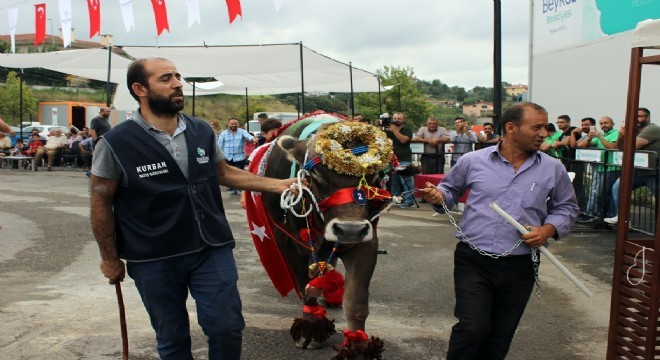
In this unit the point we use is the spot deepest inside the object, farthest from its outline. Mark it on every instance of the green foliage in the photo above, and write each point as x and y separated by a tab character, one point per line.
222	107
331	102
10	100
405	92
446	115
5	47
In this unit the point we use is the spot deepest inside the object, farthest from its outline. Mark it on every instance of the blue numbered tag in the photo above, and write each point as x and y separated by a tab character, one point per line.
359	197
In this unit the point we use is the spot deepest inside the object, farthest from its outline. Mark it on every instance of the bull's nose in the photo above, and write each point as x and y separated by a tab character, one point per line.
352	231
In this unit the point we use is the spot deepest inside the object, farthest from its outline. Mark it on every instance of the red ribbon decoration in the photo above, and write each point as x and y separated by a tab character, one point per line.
39	24
358	335
345	196
94	7
332	283
318	311
160	12
234	9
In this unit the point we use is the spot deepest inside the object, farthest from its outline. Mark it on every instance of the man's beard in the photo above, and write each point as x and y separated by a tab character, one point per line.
163	106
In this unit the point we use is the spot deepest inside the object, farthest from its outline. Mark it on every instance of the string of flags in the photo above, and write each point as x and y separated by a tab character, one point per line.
126	6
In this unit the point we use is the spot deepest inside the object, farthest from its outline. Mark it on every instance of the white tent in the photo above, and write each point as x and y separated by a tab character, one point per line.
647	34
87	63
251	69
263	69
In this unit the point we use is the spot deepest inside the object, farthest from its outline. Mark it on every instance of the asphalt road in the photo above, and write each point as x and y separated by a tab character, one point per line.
55	304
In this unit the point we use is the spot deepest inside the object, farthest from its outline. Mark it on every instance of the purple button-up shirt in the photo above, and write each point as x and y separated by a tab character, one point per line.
540	192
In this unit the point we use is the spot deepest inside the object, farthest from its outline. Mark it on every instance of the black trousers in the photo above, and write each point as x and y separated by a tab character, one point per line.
433	164
491	296
237	164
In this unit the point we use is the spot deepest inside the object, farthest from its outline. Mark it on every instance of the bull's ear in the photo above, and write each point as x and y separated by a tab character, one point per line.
295	149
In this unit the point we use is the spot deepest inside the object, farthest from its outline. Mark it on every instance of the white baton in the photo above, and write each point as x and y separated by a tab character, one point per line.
523	230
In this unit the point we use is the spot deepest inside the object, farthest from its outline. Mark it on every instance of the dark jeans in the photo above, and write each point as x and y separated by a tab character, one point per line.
210	276
640	178
87	159
237	164
433	164
491	296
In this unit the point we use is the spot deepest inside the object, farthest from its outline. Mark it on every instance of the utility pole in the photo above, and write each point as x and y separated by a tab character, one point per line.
52	34
497	66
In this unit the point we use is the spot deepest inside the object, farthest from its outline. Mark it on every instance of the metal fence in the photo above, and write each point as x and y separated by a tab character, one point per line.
596	186
439	162
597	172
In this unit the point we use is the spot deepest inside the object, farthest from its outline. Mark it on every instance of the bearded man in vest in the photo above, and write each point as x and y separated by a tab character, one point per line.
155	202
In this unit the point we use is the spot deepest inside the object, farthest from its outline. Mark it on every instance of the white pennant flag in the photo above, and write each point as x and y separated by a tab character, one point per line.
65	19
127	13
278	4
13	20
193	13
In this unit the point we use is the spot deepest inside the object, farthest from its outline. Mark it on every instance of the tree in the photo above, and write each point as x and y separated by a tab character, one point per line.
403	89
10	100
459	93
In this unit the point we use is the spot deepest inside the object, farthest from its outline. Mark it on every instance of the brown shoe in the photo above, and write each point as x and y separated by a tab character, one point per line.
50	168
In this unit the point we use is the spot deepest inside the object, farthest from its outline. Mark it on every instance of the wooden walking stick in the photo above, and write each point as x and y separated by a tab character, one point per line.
122	322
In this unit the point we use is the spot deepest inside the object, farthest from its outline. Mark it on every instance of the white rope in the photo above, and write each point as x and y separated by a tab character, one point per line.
641	279
289	199
395	200
385	209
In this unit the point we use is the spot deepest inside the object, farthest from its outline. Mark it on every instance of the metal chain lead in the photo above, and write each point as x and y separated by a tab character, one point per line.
537	281
535	256
491	255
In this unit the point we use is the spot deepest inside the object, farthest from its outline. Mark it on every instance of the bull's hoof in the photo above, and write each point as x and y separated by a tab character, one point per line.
324	303
308	345
360	349
307	331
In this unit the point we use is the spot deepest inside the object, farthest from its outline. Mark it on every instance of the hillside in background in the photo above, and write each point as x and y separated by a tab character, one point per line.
418	99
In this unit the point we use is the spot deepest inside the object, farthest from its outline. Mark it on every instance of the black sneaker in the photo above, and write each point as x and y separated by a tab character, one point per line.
584	219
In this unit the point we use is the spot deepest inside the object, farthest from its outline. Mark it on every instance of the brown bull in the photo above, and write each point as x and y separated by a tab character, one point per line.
342	226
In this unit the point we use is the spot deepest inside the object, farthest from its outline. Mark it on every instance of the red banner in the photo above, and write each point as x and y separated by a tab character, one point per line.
263	237
234	9
40	24
160	12
94	7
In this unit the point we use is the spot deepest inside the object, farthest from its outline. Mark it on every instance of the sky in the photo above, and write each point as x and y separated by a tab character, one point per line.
449	40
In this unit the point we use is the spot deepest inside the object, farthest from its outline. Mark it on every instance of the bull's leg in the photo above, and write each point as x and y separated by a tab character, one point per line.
312	329
359	263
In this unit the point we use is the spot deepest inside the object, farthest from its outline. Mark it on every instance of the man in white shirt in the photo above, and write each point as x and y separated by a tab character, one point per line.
52	147
434	138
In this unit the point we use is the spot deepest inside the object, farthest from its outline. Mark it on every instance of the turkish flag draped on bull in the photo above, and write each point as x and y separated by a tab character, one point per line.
160	12
94	7
261	229
39	23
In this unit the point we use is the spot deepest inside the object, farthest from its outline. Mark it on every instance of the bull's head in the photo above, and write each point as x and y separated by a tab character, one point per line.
337	188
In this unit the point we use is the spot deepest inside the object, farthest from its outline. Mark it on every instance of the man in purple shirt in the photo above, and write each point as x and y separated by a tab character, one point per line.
493	271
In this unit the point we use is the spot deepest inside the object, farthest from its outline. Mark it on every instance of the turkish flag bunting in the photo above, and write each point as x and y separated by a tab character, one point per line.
234	8
160	12
261	227
40	24
94	7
